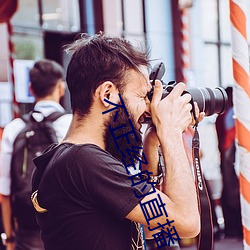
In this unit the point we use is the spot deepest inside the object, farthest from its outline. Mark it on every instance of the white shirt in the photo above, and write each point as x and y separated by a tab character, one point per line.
11	131
210	160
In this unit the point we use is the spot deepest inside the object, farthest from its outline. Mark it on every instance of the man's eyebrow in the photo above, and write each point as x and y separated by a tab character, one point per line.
149	86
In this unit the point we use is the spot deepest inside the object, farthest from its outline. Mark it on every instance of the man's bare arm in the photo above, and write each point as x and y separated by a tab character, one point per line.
179	194
7	220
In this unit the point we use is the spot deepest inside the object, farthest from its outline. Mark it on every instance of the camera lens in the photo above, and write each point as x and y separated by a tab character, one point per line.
210	101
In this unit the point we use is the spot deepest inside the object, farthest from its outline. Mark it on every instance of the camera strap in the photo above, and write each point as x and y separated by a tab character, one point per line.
205	238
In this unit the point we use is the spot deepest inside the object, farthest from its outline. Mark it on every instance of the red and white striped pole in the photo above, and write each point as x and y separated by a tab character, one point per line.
185	55
185	66
241	95
15	106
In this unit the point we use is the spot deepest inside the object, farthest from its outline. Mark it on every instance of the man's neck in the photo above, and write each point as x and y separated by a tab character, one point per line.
86	131
48	98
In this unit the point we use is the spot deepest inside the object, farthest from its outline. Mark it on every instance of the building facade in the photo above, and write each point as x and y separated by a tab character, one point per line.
194	42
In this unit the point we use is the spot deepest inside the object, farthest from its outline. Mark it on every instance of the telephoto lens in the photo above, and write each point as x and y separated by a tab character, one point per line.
210	101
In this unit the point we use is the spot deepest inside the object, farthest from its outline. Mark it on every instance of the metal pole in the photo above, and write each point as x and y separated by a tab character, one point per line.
40	13
87	16
219	42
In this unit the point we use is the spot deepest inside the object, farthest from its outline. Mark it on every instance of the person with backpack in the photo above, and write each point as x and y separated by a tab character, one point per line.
23	139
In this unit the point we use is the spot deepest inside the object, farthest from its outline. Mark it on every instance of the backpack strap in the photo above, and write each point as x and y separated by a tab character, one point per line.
54	116
51	118
43	123
46	125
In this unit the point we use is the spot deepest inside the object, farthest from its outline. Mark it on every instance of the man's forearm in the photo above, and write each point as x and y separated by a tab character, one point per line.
152	156
179	184
7	215
150	149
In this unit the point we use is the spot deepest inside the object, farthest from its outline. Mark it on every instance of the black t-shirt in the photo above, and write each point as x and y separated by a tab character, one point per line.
88	194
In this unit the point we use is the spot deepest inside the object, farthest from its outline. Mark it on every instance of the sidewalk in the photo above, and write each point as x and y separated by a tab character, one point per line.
223	244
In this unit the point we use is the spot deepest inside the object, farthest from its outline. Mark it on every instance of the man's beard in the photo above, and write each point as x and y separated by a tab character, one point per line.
122	142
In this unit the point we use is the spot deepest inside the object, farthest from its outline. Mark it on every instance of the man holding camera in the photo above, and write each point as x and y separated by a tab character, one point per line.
87	193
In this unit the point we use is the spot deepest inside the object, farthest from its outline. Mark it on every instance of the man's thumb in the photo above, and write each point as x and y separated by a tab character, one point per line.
157	93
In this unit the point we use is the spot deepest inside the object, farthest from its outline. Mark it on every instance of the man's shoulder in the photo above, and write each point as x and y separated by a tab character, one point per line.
99	159
17	122
63	120
81	151
84	157
64	117
92	150
92	153
13	128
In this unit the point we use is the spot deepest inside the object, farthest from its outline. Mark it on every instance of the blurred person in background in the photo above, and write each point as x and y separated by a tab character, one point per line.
2	247
47	86
225	126
210	162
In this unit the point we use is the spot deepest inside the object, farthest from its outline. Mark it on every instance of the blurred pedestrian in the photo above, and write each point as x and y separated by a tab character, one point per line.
48	86
225	125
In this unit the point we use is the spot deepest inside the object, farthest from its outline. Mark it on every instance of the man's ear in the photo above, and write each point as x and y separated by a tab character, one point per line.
62	88
31	90
107	91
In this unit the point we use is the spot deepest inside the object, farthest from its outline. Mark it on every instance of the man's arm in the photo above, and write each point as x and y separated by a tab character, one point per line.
171	116
7	220
151	150
9	134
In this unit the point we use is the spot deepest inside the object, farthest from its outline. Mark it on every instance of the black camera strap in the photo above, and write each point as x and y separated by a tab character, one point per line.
205	238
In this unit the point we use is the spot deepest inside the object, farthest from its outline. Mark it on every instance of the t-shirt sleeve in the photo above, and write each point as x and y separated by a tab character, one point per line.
10	133
105	179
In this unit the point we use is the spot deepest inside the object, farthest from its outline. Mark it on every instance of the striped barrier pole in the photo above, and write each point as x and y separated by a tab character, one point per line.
241	95
185	65
15	106
185	56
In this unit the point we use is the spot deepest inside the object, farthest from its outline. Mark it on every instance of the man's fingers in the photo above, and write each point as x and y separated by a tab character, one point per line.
178	90
186	98
196	108
199	115
157	93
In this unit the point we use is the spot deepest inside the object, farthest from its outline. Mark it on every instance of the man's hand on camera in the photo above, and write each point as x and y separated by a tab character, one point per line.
199	115
171	115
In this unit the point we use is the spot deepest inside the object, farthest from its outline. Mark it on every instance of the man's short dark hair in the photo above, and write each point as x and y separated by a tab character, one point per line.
96	59
44	76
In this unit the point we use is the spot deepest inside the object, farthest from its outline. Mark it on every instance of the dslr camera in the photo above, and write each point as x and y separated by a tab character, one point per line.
210	101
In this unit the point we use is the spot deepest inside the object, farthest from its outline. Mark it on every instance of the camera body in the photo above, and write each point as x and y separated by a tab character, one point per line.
210	101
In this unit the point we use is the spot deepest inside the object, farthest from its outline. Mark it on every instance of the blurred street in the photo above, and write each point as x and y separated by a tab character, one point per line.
223	244
204	44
